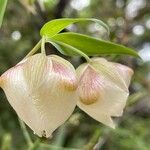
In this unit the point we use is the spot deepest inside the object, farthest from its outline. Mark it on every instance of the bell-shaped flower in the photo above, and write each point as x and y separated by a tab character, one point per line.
103	89
42	90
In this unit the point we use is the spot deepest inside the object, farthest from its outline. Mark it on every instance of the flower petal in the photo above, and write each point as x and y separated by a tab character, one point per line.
34	71
109	70
65	71
32	90
1	81
89	81
125	72
112	95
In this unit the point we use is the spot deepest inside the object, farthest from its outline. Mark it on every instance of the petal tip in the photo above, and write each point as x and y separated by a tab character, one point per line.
43	133
113	126
110	123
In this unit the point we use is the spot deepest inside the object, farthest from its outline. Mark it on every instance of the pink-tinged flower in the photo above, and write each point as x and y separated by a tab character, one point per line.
42	90
103	89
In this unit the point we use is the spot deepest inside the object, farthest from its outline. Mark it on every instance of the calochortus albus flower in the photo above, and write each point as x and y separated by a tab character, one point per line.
42	90
103	89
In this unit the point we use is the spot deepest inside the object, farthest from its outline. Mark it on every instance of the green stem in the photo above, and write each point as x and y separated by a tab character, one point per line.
61	136
52	147
83	54
93	140
25	133
35	146
6	142
35	49
57	43
43	46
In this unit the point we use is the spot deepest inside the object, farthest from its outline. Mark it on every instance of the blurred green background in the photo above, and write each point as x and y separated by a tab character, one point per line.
129	22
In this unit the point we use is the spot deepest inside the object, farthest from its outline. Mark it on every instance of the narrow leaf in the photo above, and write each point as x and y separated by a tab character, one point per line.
3	4
88	45
53	27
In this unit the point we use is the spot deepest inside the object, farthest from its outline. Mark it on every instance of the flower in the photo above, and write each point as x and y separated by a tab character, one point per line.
42	90
103	89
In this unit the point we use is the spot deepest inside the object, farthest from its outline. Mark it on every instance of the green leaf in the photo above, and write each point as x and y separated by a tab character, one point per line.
3	4
88	45
53	27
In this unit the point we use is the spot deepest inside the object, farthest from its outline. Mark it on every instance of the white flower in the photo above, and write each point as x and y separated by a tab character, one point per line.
103	89
42	90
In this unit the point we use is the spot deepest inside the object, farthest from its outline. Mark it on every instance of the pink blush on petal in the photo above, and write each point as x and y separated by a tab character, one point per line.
66	75
90	86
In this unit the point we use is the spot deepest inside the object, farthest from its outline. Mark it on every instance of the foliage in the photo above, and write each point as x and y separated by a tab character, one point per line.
3	4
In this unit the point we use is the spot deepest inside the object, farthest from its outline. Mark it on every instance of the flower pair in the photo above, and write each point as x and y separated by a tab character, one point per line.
44	90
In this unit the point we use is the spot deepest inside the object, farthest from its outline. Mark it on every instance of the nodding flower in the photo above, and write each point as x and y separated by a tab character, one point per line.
42	91
103	89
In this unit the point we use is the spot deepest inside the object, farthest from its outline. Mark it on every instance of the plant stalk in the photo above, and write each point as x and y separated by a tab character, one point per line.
35	49
25	133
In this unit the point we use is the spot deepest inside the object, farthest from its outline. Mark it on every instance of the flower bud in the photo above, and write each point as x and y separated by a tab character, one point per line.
103	89
42	90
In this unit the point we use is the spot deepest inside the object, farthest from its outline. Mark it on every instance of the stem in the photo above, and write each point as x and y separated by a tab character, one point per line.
61	136
43	46
25	133
35	146
6	142
53	147
93	140
83	54
57	43
35	49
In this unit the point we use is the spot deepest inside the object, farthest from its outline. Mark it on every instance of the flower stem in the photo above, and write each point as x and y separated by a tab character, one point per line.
83	55
43	46
61	136
35	49
6	142
93	140
25	133
53	147
77	51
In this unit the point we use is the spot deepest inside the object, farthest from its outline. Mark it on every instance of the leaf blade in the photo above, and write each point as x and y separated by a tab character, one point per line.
3	4
53	27
91	46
